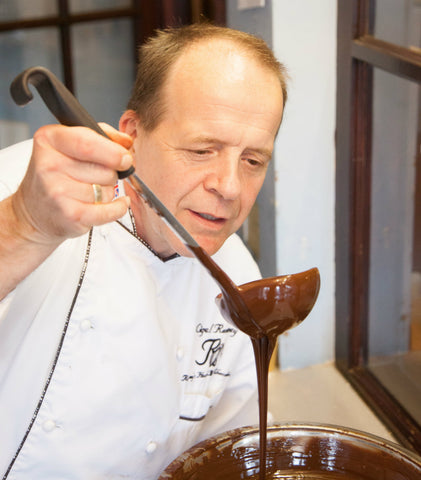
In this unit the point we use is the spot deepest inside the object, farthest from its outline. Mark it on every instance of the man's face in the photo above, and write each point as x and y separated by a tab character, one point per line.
206	160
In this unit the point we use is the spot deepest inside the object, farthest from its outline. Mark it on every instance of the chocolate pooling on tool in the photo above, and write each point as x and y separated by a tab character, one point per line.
262	309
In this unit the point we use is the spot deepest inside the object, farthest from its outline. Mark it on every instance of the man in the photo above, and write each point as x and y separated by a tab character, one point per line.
114	358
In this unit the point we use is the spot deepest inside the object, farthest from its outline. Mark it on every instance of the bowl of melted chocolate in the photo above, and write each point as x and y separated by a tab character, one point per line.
296	451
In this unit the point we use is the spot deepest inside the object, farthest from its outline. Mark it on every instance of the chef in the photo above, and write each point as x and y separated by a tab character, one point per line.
114	358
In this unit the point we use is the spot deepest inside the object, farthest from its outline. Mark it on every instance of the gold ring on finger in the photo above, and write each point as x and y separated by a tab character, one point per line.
97	193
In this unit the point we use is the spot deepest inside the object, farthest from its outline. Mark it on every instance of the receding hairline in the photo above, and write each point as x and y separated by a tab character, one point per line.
168	46
252	46
238	47
200	56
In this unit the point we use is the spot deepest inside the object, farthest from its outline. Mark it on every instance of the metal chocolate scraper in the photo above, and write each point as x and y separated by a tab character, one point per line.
68	111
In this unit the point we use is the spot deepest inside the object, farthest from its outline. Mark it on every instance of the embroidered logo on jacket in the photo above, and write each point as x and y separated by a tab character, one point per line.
212	347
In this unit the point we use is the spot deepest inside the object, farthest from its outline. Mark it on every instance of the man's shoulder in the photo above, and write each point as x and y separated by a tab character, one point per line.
237	261
13	164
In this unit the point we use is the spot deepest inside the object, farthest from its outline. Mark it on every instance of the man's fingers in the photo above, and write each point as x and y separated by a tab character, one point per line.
88	172
99	214
84	145
100	194
90	193
57	193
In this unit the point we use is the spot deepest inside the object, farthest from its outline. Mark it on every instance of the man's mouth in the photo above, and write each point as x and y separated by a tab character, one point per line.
208	216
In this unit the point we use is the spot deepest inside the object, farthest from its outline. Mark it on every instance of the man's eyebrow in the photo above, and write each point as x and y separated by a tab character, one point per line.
205	139
261	151
212	141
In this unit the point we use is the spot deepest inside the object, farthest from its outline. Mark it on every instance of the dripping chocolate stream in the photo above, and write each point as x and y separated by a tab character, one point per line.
275	304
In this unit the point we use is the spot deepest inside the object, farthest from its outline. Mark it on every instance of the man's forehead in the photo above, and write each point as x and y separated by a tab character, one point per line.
209	52
220	72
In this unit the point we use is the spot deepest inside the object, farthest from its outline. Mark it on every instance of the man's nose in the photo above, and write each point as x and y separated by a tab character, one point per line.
225	177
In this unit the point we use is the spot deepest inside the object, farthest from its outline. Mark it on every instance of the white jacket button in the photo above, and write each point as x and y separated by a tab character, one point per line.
151	447
49	425
179	353
85	325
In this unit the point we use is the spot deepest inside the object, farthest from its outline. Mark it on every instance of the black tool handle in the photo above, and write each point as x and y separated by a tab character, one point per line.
59	100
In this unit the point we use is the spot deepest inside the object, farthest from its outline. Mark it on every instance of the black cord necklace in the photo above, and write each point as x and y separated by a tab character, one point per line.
144	242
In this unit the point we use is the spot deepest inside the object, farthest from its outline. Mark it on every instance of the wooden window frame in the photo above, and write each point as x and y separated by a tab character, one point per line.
358	53
141	13
146	16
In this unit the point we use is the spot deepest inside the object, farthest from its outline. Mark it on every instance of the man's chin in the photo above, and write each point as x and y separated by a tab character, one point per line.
209	247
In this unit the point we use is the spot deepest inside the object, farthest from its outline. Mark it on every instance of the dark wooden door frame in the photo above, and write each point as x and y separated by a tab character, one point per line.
358	53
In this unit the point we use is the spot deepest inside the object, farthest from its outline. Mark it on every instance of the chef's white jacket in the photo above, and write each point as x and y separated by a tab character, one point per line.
113	362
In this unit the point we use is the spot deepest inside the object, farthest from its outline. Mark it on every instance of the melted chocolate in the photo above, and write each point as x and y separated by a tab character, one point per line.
235	310
305	452
277	304
264	309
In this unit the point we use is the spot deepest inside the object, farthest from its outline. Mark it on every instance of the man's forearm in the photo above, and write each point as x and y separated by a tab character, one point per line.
20	253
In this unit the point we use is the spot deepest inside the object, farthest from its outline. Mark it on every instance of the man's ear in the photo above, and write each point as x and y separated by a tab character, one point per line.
130	123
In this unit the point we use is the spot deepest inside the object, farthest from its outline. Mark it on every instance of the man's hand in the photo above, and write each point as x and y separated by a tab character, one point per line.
55	200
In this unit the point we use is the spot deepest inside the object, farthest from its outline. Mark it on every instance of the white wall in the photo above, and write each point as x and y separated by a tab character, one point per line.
304	38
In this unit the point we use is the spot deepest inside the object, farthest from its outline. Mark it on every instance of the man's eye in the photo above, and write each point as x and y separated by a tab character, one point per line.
253	162
201	152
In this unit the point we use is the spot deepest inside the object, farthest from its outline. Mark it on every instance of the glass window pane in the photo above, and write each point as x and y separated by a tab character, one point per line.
20	50
399	22
104	67
395	277
24	9
79	6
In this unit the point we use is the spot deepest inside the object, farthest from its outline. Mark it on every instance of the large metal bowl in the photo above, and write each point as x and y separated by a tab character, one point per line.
297	451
